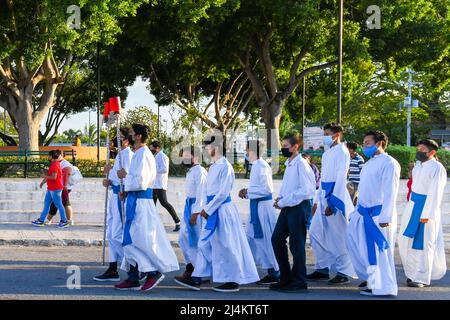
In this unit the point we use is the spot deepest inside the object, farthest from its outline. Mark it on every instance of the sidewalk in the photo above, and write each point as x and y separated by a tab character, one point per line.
25	234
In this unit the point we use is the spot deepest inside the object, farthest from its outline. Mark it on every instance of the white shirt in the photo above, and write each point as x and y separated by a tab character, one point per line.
219	183
299	183
125	158
162	171
65	164
261	184
142	171
429	178
379	181
196	186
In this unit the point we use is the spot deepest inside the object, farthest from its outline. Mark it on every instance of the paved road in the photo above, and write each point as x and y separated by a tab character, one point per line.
40	273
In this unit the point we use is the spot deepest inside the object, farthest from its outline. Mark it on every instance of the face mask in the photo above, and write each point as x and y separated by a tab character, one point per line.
328	140
153	151
285	152
421	156
370	151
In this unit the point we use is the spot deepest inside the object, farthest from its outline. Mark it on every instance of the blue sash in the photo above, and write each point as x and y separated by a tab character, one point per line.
130	210
116	190
254	218
373	234
213	219
192	235
333	202
415	228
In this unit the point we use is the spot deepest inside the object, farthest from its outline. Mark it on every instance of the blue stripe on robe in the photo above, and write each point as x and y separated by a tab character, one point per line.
213	219
332	201
373	235
254	217
130	210
415	228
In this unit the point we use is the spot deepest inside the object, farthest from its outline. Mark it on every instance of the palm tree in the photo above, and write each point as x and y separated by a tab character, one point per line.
71	134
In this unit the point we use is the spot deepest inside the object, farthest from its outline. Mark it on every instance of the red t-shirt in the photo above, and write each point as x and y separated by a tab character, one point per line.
55	184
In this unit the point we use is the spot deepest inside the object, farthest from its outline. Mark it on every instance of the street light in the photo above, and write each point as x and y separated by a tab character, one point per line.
339	82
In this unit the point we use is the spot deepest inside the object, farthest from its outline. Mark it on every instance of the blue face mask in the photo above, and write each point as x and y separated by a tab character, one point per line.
328	140
370	151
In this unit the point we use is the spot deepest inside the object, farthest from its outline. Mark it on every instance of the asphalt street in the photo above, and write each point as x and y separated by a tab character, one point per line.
43	273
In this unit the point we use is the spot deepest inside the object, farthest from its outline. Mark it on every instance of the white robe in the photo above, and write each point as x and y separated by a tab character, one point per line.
328	233
195	188
260	186
226	255
378	185
150	247
422	266
114	225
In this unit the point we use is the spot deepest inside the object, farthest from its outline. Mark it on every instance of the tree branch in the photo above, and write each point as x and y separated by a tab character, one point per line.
260	92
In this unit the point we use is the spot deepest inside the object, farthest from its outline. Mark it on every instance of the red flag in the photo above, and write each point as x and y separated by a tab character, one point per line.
106	112
114	104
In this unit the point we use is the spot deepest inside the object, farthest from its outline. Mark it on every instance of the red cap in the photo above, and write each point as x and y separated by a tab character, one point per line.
114	104
106	111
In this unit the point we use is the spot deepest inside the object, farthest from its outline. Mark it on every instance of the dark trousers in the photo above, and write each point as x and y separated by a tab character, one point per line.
160	194
292	223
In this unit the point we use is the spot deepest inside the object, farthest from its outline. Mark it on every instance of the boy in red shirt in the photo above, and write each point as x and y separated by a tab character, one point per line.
54	190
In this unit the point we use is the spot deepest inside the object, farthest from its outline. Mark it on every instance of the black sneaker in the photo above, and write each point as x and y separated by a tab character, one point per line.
227	287
366	292
267	280
142	276
294	288
337	280
188	283
177	227
317	276
277	286
408	280
414	284
362	285
109	275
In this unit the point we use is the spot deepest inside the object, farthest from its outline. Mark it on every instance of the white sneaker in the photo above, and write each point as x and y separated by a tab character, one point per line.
71	222
47	222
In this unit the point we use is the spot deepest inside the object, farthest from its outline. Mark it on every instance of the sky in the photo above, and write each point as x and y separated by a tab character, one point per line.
138	95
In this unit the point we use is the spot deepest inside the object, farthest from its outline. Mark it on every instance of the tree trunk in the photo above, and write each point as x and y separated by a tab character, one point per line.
271	117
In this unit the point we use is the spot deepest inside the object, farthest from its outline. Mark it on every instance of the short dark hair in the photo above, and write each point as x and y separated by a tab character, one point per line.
54	154
378	136
352	145
126	132
430	144
293	139
333	127
256	145
142	130
156	144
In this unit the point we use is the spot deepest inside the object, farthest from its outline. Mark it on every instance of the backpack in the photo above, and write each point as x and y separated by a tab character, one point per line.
75	177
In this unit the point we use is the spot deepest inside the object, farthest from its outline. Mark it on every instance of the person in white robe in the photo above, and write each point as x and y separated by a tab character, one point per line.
421	239
145	243
114	223
263	216
223	249
329	224
372	227
191	223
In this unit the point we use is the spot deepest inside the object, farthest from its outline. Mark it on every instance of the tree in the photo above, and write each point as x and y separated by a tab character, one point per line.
142	115
37	49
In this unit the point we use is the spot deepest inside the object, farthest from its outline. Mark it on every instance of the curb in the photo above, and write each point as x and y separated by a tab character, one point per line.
61	243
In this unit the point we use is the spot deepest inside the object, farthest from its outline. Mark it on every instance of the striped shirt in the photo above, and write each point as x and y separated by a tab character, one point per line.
356	165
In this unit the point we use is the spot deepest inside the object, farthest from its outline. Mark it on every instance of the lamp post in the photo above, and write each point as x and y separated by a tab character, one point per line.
339	82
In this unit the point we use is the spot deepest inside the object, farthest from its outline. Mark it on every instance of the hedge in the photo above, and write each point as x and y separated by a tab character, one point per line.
89	168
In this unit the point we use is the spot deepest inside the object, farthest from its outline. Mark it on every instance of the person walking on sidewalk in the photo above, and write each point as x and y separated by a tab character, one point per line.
53	178
160	185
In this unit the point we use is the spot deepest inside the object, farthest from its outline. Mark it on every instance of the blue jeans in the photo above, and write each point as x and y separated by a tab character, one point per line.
56	198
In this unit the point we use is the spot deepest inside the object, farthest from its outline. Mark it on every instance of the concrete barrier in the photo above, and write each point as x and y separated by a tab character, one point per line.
22	200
